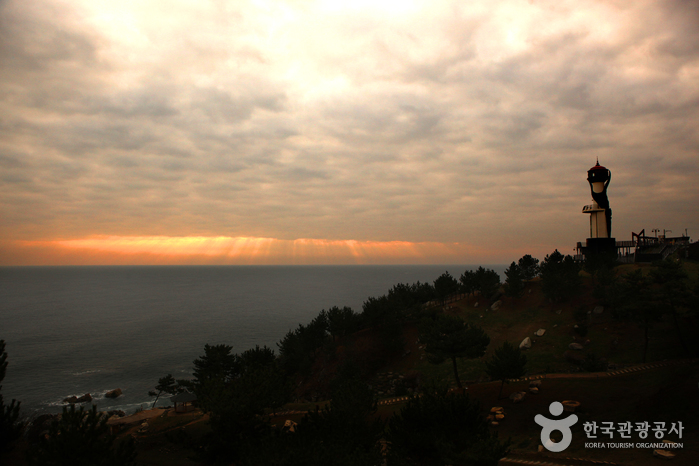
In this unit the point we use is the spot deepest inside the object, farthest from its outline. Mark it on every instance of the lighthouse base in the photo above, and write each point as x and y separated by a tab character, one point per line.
596	246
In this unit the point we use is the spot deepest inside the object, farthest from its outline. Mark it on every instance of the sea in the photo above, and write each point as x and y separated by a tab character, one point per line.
90	329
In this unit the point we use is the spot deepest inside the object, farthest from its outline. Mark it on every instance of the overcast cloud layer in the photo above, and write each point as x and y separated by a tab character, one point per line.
409	121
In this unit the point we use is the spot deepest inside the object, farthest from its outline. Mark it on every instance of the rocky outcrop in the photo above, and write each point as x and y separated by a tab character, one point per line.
113	393
75	399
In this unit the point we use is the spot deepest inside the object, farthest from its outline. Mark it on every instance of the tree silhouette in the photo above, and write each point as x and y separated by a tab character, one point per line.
529	266
440	428
560	276
444	286
10	429
80	438
451	338
167	385
508	362
514	285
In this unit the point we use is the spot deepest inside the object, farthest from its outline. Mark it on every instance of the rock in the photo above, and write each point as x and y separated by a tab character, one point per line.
535	383
559	311
570	406
499	416
116	413
518	397
555	325
497	409
540	332
476	304
494	423
526	343
663	454
85	398
598	309
576	346
71	399
113	393
496	305
540	449
534	390
574	357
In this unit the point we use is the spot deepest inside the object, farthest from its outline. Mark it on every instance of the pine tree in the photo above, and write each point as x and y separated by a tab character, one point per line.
451	338
10	429
508	362
514	284
80	438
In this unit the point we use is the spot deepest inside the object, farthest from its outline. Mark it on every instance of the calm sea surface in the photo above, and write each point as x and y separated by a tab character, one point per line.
76	330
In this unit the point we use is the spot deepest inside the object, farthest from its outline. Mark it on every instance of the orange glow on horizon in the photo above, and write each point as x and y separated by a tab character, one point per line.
162	250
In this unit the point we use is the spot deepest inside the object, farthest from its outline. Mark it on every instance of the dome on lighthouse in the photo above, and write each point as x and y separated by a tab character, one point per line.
598	173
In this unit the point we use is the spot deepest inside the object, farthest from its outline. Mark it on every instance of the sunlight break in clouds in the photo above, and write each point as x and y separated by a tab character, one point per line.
225	250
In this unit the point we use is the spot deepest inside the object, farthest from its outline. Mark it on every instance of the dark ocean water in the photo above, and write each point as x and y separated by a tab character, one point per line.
76	330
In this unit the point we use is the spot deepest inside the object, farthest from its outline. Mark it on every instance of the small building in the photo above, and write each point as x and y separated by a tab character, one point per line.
183	399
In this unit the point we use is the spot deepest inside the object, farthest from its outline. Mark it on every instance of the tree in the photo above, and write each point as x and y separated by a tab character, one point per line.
10	428
450	338
529	267
217	363
342	321
440	428
487	281
444	286
80	438
639	304
514	285
673	292
167	385
508	362
468	282
560	276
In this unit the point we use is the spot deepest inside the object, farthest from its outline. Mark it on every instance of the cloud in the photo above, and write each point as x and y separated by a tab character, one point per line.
441	122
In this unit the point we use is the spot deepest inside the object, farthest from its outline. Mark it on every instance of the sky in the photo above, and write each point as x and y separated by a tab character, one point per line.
340	132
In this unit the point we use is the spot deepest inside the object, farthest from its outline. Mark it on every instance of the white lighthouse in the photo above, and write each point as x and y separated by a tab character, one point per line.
600	239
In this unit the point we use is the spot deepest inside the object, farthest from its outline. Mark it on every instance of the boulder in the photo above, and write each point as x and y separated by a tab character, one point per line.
540	332
576	346
71	399
496	305
113	393
85	398
476	304
598	309
526	343
116	413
